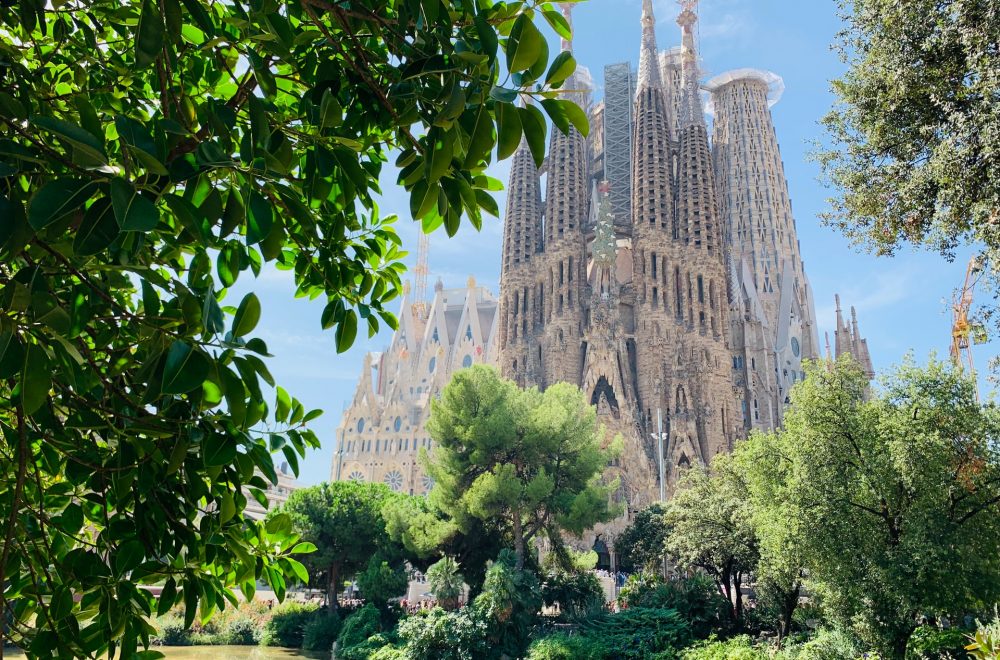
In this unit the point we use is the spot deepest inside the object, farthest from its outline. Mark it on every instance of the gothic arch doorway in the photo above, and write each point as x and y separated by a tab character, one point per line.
603	554
603	390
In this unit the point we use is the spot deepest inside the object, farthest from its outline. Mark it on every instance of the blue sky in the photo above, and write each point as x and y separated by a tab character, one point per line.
903	303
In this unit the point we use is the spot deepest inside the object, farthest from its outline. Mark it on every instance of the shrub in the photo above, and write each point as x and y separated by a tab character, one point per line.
985	644
641	633
578	594
638	584
827	644
382	581
442	635
287	624
377	646
509	603
737	648
696	599
359	627
931	643
445	582
171	631
321	631
568	647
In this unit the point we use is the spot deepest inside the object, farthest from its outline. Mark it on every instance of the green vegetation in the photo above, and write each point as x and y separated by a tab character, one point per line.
154	153
528	460
287	624
445	582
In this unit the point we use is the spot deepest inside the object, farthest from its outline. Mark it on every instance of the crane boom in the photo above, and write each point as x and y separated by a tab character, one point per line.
420	270
964	331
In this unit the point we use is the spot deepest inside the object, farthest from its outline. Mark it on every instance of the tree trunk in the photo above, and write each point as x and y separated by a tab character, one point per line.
519	539
738	595
788	605
333	582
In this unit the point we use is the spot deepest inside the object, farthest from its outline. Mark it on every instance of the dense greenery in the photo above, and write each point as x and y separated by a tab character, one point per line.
445	582
640	545
344	521
905	481
286	624
531	460
152	154
913	139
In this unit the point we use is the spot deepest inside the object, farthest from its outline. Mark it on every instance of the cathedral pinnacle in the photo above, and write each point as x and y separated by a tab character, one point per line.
691	111
649	67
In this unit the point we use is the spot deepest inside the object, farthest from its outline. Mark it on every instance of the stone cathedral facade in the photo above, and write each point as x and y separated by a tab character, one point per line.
660	271
673	292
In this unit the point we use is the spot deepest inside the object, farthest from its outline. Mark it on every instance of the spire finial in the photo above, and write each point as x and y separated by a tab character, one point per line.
691	111
649	63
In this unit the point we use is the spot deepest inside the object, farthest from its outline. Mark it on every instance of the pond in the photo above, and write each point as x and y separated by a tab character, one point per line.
227	652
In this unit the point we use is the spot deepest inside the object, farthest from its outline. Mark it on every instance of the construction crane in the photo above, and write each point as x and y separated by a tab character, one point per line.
966	332
420	307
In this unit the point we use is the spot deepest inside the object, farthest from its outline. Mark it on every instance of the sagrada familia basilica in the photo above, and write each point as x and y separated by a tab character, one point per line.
660	272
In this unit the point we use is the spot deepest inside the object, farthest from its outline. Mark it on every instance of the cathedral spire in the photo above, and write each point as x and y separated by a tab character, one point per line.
691	110
522	231
567	12
649	63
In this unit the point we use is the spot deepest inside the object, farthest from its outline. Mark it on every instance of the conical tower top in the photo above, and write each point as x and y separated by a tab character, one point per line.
649	68
691	110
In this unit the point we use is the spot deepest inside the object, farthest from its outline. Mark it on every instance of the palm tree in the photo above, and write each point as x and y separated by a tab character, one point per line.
445	582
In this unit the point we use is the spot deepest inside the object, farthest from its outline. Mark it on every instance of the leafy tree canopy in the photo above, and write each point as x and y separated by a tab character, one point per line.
641	544
153	153
903	484
710	527
530	459
913	138
344	521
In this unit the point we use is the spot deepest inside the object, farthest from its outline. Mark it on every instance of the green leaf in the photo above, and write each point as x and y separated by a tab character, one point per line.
576	116
36	379
562	67
347	330
487	35
133	211
83	142
302	548
149	38
300	571
283	404
557	114
525	44
129	555
185	369
292	458
56	200
218	449
247	315
168	594
533	124
509	130
260	218
558	23
227	507
98	230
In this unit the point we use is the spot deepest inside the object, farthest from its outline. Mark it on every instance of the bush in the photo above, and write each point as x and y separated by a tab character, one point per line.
825	645
442	635
287	624
578	594
171	631
377	646
737	648
985	644
641	633
931	643
321	631
509	603
568	647
696	599
638	584
359	627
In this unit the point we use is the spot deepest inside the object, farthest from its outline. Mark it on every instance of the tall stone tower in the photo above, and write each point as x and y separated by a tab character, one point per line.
521	311
773	313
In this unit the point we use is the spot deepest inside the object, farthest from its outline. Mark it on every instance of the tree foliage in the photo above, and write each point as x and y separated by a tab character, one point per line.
711	528
152	154
914	135
905	486
344	521
527	458
640	546
445	582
